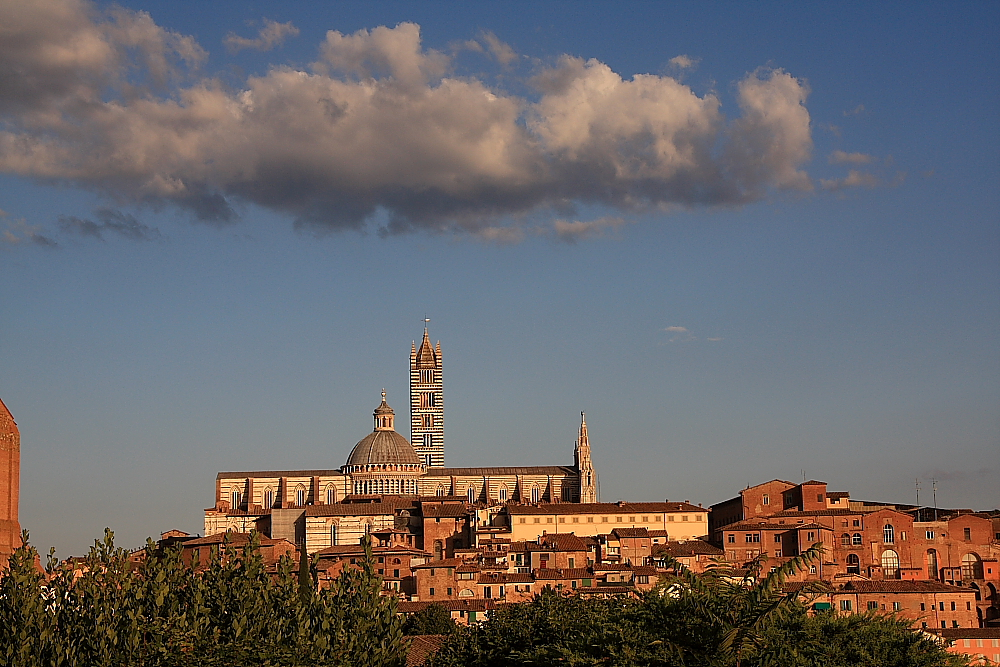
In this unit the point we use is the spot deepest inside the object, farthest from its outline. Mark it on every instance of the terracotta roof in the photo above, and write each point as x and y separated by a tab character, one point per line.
812	482
444	511
613	590
563	542
279	473
757	524
467	567
630	532
445	562
645	570
687	548
425	356
824	512
489	472
605	508
563	573
659	533
385	508
838	494
352	549
505	578
423	647
612	567
967	633
233	538
895	586
474	604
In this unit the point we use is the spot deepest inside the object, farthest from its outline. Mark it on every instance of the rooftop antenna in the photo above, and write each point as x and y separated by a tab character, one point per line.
917	482
934	486
425	321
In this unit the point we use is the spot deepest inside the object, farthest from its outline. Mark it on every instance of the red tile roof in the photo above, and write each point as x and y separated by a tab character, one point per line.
895	586
687	548
605	508
630	532
423	647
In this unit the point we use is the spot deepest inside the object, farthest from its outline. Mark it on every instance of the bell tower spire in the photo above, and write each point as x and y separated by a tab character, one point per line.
427	401
584	466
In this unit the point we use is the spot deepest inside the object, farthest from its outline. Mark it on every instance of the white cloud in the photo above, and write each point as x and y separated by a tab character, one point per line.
841	157
684	62
679	334
571	232
854	179
376	125
271	35
502	51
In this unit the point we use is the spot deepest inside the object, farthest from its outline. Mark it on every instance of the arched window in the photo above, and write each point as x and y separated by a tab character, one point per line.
932	564
331	495
441	491
235	498
333	535
856	539
845	539
890	564
502	493
853	564
472	494
534	494
300	495
888	534
972	567
268	497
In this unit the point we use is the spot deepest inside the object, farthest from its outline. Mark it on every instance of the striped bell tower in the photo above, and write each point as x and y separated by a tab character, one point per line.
427	401
584	465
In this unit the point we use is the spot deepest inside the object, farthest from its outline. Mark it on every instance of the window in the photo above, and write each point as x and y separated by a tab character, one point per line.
811	536
432	592
268	497
449	591
684	517
731	538
872	605
426	399
333	535
890	564
472	495
767	499
967	534
929	534
535	494
845	540
923	607
300	495
888	534
853	564
819	497
235	498
777	539
428	440
426	376
845	605
972	567
856	523
932	564
953	606
897	606
576	519
812	568
502	494
856	539
940	606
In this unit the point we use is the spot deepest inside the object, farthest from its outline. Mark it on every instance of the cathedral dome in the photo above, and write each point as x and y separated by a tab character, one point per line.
383	447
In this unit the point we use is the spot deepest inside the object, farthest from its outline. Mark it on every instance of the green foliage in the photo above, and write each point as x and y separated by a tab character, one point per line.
233	612
434	619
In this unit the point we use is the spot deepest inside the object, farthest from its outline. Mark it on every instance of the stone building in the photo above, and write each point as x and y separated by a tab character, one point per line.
388	483
10	475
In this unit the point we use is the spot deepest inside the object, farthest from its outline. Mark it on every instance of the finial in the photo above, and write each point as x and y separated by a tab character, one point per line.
583	417
383	394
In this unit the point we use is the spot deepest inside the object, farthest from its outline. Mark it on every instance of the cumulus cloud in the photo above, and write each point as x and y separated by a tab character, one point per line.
501	51
683	62
841	157
271	35
854	179
122	224
574	231
19	232
377	128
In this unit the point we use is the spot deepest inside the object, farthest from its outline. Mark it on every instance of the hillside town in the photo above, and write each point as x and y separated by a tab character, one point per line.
473	539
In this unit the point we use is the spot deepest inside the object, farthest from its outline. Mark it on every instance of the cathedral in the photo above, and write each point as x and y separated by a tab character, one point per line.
385	469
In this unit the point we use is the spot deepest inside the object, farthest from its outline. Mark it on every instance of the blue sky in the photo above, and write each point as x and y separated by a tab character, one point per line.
775	254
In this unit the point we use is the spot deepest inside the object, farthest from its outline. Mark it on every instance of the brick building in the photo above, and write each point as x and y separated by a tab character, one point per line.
10	477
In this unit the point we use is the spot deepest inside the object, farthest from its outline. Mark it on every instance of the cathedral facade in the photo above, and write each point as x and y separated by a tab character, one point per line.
384	468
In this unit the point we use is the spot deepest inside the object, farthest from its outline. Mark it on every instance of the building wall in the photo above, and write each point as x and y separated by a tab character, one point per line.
567	518
923	609
10	479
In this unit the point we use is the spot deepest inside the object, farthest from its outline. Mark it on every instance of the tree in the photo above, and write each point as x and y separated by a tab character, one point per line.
433	619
